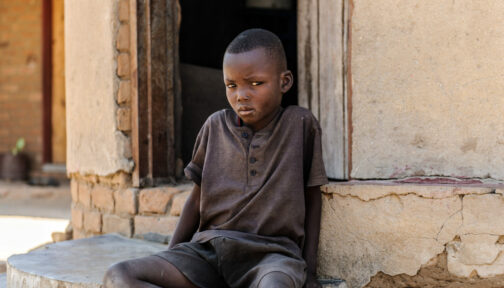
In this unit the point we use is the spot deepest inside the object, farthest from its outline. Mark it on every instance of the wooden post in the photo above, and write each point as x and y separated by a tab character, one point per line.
322	64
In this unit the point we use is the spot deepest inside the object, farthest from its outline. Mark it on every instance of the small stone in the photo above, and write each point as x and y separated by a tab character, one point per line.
156	200
123	65
164	225
74	189
92	221
84	195
126	201
122	41
124	119
178	203
116	224
123	10
102	197
77	217
123	94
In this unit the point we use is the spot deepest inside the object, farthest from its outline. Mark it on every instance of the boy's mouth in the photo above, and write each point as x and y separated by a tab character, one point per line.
245	110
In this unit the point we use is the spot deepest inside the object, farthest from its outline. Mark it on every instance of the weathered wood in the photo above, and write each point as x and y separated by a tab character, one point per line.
308	73
322	58
154	99
135	142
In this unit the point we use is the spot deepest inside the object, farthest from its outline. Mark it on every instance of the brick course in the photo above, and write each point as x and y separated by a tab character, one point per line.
102	197
116	224
155	224
156	200
92	221
126	201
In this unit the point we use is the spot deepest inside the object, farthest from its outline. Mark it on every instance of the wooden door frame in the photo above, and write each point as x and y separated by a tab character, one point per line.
46	81
324	79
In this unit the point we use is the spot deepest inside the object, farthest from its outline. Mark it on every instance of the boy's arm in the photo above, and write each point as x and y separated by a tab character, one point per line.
189	219
313	203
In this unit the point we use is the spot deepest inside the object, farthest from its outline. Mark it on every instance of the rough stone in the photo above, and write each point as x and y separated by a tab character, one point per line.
102	197
116	224
79	234
126	201
92	146
123	64
156	200
123	42
92	221
124	95
178	203
74	190
415	74
75	264
85	195
77	217
124	119
164	225
123	10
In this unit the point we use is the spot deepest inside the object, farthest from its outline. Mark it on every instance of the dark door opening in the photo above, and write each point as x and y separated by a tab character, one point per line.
206	29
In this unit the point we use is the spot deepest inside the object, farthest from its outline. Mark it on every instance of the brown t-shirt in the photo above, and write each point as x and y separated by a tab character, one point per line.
254	182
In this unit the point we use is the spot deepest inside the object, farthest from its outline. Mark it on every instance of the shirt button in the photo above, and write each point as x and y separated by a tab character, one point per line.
245	135
253	160
253	172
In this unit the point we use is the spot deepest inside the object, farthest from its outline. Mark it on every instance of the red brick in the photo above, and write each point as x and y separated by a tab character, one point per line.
178	203
102	197
74	189
156	200
126	201
116	224
123	10
123	119
92	221
77	217
123	65
156	224
123	38
123	94
85	195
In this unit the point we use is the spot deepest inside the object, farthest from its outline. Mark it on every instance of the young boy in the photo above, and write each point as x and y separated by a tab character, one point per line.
253	217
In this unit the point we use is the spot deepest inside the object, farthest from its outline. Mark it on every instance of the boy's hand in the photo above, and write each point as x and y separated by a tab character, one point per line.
312	282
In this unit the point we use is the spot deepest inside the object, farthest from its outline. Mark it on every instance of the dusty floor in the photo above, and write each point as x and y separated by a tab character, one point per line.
29	214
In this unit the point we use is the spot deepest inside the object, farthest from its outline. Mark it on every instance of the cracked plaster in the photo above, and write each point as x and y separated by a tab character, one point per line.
398	229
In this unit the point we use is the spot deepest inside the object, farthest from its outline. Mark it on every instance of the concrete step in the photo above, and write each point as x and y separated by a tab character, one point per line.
82	263
3	280
74	264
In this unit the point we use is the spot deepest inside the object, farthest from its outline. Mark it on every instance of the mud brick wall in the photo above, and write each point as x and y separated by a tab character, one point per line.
103	205
21	76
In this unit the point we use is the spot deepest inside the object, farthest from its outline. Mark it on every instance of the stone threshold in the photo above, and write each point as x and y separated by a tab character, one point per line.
425	187
82	263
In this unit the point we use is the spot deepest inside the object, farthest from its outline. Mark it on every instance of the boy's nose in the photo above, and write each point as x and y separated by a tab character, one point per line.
242	95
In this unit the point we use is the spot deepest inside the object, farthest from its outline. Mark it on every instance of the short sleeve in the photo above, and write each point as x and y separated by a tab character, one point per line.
194	169
315	174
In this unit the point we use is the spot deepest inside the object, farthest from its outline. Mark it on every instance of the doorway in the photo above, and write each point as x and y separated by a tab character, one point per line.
207	28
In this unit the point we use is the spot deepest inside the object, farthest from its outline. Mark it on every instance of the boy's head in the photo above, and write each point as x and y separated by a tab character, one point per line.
256	76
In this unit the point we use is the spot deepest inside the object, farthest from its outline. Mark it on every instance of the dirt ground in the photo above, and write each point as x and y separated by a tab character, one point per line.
29	214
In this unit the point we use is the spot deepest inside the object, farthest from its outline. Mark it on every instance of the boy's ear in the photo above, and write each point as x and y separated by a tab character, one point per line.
287	79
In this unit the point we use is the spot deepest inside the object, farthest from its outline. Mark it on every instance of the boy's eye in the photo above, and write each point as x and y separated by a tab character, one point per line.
231	85
256	83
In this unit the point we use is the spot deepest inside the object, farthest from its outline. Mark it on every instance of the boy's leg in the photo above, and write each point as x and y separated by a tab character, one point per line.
150	271
276	279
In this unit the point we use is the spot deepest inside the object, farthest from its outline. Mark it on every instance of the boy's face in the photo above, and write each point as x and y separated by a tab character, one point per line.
255	84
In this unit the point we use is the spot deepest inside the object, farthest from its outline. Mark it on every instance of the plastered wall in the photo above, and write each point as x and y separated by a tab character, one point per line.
428	88
95	144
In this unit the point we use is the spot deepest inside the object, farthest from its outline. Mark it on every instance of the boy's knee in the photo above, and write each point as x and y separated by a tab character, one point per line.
116	276
276	279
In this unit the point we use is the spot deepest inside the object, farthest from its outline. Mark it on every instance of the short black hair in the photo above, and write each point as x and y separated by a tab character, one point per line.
251	39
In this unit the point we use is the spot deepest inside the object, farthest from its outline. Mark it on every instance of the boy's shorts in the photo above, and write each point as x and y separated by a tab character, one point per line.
228	262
